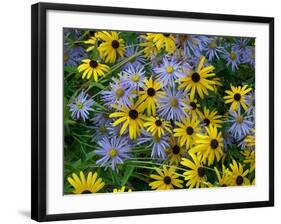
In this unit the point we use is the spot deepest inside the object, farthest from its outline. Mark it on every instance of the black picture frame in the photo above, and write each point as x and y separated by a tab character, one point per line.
38	108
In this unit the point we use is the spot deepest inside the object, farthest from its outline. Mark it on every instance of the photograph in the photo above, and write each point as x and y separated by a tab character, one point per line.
146	111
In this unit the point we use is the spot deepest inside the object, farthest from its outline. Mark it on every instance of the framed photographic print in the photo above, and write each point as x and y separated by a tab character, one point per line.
138	111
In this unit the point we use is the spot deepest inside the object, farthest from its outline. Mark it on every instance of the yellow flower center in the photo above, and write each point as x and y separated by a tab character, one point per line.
169	69
119	93
232	56
239	119
213	45
103	129
174	102
113	152
79	105
65	57
251	56
136	77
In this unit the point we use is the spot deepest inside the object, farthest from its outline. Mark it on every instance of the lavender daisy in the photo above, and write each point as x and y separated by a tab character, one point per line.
233	59
136	61
119	94
81	106
250	101
241	124
158	144
193	45
212	49
248	56
173	105
134	75
228	139
169	71
73	56
113	151
240	44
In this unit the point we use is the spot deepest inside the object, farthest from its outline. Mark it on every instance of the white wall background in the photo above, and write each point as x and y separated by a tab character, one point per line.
15	110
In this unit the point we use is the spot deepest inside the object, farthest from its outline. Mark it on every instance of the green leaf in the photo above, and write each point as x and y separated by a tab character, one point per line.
83	154
128	172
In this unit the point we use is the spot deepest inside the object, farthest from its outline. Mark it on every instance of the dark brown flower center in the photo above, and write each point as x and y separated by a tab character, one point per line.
86	192
237	96
189	130
167	180
193	105
176	149
151	92
201	171
206	121
158	123
115	44
195	77
92	33
94	63
214	144
133	114
166	34
239	180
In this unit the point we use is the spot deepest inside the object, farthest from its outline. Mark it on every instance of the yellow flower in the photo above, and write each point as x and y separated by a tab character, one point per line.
83	185
130	117
195	176
186	131
250	140
212	118
238	174
237	97
166	179
93	69
209	145
175	152
91	41
148	97
122	189
157	126
197	81
149	47
112	46
250	156
224	178
193	109
166	41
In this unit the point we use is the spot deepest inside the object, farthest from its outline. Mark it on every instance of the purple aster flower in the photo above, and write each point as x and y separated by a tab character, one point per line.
81	106
137	61
113	151
134	76
240	44
75	33
241	125
119	94
158	145
72	56
248	56
101	124
233	59
173	105
212	49
228	139
193	45
250	101
169	71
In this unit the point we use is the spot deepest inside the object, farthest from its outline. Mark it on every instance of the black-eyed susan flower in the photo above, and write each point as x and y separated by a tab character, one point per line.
92	68
210	118
197	81
150	95
165	41
249	158
131	118
149	46
122	189
175	152
209	145
86	185
196	175
92	41
224	176
238	174
112	46
237	97
166	179
186	131
157	126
